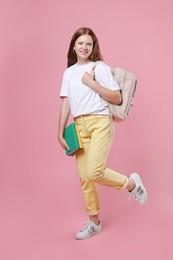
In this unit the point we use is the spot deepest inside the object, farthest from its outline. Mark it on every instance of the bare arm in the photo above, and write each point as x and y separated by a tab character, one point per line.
113	97
63	118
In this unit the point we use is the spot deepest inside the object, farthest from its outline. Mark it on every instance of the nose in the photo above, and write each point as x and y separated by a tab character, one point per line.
84	46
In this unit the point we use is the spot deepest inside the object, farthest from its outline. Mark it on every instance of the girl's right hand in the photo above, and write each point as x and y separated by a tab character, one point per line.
63	143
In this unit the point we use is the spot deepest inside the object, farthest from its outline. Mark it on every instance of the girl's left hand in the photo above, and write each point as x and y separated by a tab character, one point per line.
88	78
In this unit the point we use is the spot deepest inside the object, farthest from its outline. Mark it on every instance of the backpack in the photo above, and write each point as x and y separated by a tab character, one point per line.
127	82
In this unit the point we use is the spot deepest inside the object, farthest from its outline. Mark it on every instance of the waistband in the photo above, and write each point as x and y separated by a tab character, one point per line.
96	116
92	115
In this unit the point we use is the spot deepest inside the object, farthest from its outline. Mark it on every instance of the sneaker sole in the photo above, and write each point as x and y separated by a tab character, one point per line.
82	238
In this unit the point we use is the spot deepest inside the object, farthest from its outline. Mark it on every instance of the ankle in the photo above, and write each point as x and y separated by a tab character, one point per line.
95	219
131	185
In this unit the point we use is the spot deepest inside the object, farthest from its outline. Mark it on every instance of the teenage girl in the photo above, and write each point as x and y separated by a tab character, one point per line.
85	93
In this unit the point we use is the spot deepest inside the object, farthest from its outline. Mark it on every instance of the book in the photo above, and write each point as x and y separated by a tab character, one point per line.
72	137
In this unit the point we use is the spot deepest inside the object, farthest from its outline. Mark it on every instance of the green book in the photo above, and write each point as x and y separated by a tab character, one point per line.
72	137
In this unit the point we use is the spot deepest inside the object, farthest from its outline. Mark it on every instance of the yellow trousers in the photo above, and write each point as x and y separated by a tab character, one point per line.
96	135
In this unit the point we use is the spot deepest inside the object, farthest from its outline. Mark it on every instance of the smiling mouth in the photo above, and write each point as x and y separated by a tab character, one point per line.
84	52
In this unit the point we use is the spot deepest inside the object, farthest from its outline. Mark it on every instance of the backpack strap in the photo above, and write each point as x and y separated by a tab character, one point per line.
95	64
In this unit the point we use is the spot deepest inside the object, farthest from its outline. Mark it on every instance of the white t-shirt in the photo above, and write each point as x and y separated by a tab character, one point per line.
84	100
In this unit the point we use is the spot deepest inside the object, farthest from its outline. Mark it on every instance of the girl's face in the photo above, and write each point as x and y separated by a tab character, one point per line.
83	48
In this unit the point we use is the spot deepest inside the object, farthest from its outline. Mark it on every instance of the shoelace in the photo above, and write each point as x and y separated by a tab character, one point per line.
87	226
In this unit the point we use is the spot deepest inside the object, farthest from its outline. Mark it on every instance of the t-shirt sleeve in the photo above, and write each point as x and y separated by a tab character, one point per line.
104	76
64	86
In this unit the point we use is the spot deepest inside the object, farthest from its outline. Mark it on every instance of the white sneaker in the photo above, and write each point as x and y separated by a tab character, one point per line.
139	192
90	229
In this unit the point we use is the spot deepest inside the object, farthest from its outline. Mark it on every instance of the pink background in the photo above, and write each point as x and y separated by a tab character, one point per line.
41	206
